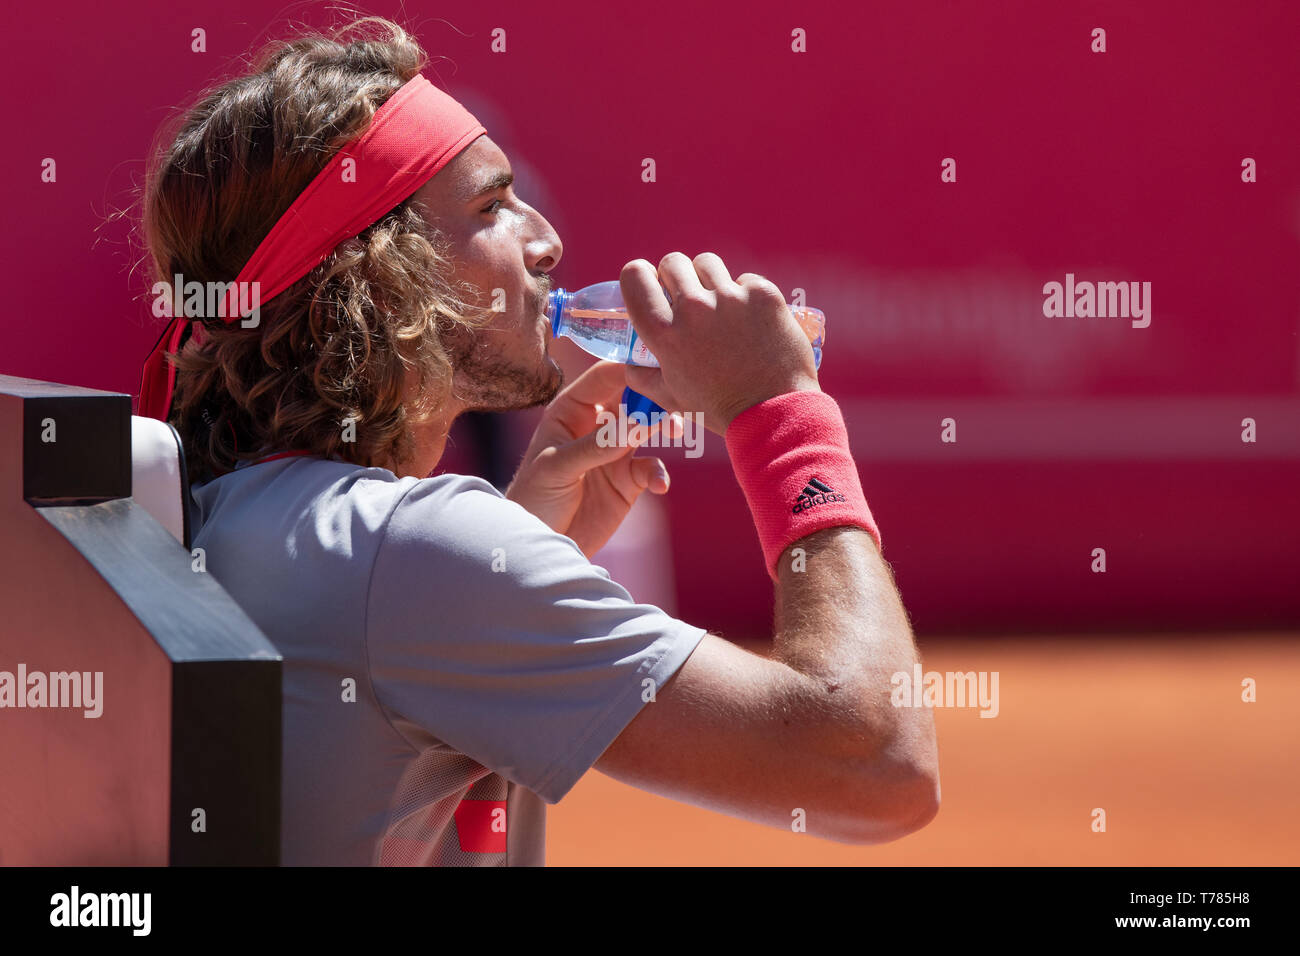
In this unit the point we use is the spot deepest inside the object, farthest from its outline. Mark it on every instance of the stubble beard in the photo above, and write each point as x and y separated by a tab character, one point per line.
487	381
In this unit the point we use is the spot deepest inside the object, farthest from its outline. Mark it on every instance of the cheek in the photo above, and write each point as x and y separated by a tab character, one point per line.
487	259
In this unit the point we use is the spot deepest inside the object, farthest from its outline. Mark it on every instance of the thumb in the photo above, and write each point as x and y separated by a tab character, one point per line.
650	383
573	459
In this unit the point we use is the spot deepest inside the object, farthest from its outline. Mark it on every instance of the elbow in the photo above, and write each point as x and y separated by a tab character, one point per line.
886	777
893	803
918	805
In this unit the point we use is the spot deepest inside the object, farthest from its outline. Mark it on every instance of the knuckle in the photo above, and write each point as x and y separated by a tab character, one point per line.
679	255
762	287
733	294
693	298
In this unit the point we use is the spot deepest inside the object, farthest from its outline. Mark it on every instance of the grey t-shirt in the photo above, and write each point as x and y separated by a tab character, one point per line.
450	662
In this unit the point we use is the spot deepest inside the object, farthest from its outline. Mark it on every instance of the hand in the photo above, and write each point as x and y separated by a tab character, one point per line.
723	345
570	481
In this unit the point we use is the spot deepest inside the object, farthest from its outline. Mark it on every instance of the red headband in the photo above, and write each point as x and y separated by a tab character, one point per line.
417	131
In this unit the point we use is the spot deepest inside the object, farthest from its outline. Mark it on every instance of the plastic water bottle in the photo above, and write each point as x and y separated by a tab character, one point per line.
595	319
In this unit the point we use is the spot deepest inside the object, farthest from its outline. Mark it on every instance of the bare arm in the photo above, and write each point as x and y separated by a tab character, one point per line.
811	728
841	623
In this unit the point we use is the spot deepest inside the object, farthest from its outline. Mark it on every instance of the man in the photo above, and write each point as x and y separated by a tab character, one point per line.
453	660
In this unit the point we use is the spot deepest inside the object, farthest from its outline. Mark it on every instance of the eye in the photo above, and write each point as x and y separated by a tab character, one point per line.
493	207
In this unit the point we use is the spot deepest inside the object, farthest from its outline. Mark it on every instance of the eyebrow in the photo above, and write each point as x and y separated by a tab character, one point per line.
498	180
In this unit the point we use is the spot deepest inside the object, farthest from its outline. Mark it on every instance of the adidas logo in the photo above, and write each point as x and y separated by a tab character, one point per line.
815	493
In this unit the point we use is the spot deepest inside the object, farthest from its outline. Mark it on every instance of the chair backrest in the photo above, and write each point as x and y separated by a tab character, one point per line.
150	730
159	483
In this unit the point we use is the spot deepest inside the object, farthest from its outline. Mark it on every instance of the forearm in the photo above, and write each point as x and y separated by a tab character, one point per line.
840	622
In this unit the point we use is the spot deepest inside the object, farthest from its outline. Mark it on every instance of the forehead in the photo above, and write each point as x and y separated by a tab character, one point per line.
458	182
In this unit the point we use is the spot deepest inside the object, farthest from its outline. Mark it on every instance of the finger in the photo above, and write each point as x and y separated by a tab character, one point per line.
651	474
650	383
712	272
572	460
576	408
679	278
631	476
646	305
599	384
598	389
639	430
755	281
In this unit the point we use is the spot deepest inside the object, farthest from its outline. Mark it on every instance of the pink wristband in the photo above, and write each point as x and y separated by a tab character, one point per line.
791	457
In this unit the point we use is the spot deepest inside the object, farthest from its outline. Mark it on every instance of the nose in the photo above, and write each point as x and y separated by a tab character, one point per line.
544	250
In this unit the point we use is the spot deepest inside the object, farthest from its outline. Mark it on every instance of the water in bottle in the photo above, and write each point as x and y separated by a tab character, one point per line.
595	318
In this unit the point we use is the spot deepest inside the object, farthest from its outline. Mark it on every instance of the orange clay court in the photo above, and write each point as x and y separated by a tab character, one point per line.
1152	729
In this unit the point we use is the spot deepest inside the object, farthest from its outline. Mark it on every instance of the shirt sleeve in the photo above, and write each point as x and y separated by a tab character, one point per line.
501	639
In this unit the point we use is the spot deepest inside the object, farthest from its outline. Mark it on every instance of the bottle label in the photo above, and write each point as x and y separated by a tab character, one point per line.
640	355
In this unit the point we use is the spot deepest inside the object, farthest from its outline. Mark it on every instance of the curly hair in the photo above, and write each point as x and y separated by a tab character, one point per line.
344	343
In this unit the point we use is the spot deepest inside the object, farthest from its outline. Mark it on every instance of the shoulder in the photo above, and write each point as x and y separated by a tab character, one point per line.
467	518
459	524
334	494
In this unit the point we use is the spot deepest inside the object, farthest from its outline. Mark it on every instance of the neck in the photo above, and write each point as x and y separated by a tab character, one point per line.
430	442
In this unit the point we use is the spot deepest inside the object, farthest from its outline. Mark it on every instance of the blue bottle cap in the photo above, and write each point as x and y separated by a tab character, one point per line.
555	303
636	402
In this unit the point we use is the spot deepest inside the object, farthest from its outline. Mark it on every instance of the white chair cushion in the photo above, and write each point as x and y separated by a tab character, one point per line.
156	481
